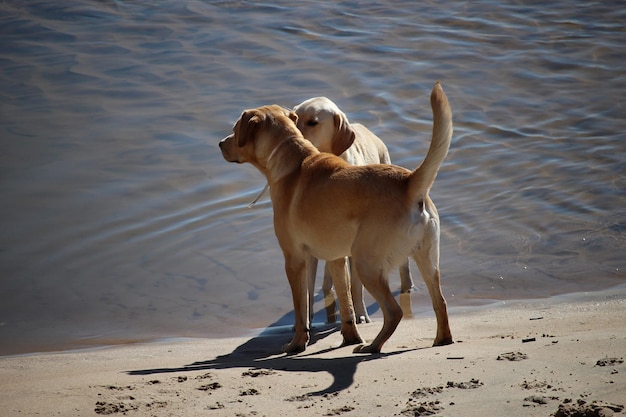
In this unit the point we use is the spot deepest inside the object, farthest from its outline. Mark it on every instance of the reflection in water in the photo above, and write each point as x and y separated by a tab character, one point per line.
121	221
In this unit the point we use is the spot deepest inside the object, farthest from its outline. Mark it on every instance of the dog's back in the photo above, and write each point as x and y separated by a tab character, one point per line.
366	149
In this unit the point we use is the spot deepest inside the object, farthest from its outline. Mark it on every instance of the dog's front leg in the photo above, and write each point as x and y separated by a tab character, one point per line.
297	268
340	275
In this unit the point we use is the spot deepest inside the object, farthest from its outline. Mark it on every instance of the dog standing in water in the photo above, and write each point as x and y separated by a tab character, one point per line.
379	215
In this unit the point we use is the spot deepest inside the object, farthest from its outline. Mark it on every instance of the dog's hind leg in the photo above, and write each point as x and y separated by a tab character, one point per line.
406	281
298	268
375	281
311	275
427	259
339	272
356	290
329	296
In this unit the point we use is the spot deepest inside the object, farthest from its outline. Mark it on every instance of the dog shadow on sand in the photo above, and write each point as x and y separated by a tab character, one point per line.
264	352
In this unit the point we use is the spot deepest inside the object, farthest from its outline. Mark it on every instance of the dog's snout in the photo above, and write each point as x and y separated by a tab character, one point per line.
227	150
223	142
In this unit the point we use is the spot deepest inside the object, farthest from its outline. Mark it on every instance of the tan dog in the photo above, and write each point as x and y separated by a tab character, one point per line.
328	209
328	128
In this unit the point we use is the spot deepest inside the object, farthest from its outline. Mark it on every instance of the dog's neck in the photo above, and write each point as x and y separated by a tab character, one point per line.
287	157
268	161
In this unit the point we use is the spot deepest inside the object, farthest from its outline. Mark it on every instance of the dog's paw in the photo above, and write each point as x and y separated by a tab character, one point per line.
363	319
293	348
408	290
366	349
443	342
352	341
350	334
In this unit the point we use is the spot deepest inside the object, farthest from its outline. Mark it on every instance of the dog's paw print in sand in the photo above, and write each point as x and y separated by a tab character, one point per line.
538	400
426	391
512	356
609	361
340	410
121	403
114	399
105	408
262	372
210	387
581	408
427	408
540	386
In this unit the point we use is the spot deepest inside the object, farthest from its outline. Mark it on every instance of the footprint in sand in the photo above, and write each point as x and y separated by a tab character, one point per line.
512	356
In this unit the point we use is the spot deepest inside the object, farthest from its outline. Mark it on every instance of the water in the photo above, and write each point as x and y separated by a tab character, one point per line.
120	221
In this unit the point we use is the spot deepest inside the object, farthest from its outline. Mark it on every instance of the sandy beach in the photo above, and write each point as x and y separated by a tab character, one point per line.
562	356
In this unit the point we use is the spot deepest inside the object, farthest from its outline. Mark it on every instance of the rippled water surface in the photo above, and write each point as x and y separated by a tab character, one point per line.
120	220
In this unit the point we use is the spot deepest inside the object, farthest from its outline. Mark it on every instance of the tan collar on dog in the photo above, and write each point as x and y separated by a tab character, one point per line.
267	185
269	158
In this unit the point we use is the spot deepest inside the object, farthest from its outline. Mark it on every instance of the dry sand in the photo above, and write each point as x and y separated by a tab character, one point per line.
561	357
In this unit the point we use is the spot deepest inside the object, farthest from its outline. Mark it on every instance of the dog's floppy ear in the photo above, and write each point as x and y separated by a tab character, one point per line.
293	116
248	122
344	135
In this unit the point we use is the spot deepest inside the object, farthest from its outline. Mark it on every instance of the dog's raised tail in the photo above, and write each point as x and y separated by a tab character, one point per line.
424	176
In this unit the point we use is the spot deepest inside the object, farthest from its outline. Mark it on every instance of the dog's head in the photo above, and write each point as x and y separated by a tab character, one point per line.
327	127
257	133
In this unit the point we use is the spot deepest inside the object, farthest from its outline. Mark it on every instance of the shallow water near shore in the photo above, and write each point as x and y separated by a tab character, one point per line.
120	221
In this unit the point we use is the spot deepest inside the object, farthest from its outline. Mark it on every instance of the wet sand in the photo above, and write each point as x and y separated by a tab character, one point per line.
562	356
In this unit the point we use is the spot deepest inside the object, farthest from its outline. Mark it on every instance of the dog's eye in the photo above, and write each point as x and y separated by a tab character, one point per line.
312	122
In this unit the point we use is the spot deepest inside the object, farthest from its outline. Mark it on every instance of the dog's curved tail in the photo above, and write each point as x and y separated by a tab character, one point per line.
423	177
